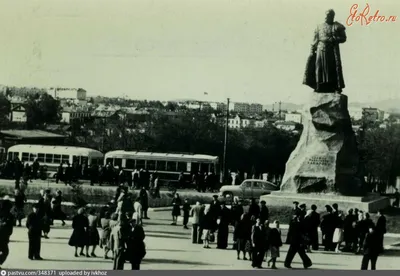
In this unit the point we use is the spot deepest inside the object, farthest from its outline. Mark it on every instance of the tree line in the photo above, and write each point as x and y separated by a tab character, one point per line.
251	150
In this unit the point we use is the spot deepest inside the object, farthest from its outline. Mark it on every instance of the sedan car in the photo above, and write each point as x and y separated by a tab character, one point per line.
250	188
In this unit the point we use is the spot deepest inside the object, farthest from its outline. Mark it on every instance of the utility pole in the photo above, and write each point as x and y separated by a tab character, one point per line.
224	175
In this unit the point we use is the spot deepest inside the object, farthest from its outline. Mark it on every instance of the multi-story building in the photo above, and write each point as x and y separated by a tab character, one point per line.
355	113
293	117
241	107
370	114
255	108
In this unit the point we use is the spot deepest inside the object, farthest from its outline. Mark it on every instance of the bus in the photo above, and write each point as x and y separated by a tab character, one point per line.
53	156
3	155
168	166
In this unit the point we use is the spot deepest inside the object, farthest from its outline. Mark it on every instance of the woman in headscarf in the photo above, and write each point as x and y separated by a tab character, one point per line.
275	242
105	235
93	233
79	237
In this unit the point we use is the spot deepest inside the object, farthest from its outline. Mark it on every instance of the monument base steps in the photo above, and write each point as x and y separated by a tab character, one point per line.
370	203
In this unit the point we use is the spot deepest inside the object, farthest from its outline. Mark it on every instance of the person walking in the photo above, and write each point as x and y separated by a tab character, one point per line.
176	208
258	244
118	241
92	232
79	237
105	234
34	225
135	246
297	244
381	228
275	243
371	249
195	214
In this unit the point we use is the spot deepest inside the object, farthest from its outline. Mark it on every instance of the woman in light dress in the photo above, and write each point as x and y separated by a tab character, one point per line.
275	242
105	235
207	226
338	234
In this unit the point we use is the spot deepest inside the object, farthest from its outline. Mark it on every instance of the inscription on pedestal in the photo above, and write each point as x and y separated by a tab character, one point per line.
320	161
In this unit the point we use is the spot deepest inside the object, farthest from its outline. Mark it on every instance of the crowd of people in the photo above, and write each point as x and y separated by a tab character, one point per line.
257	240
256	237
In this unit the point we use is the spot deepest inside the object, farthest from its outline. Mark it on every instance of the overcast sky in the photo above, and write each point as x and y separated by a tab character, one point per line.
253	51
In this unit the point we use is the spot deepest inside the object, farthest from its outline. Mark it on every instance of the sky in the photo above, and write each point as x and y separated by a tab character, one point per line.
247	50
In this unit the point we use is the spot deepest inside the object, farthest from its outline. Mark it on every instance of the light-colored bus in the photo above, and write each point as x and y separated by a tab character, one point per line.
2	154
53	156
167	165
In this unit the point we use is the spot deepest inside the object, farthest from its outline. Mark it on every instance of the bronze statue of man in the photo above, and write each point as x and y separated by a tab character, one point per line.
324	67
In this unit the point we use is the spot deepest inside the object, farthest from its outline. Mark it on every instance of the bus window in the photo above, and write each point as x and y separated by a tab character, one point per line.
195	167
65	158
171	166
109	161
203	167
49	158
130	164
151	165
57	158
182	166
25	157
40	157
118	162
84	160
10	156
140	164
212	168
160	165
75	159
32	157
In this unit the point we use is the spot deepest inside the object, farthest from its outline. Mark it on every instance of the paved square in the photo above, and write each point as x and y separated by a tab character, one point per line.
168	247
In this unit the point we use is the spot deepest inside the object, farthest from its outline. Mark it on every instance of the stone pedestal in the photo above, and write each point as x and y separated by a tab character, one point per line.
326	157
371	203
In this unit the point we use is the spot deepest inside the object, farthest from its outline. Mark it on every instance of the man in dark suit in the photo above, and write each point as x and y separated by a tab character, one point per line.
371	249
34	225
314	221
295	212
381	228
264	212
297	243
258	242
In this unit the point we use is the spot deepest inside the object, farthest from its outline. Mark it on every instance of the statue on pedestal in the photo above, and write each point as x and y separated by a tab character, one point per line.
326	157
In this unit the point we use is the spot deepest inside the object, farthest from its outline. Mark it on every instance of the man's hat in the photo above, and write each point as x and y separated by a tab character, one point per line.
302	206
215	196
296	202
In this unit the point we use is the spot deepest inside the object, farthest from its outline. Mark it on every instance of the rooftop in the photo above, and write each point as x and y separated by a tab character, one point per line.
30	134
